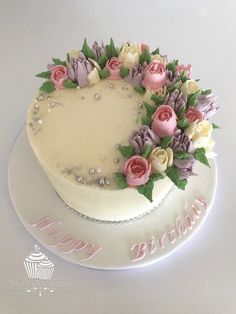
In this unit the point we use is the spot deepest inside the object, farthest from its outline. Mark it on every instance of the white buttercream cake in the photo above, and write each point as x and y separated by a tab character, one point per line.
114	128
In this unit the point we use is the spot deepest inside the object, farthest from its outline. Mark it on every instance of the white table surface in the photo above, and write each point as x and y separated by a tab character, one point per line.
201	276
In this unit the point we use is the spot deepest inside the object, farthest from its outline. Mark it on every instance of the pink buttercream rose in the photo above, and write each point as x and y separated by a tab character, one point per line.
59	74
137	170
144	47
164	121
193	114
154	76
113	66
187	69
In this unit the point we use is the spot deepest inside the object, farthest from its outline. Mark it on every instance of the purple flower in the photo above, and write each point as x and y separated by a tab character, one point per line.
185	167
98	50
142	137
182	143
207	105
78	70
171	77
176	100
136	74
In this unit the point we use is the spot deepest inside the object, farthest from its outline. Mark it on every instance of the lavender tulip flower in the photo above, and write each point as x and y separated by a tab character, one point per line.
78	70
182	143
142	137
185	167
207	105
136	74
176	100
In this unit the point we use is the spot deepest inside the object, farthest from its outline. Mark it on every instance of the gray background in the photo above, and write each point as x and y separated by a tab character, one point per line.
201	276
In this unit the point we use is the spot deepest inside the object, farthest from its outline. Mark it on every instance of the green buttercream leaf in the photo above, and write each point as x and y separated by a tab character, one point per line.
150	109
156	51
57	61
69	84
146	190
146	120
173	87
124	72
102	60
111	50
103	74
156	176
87	51
200	155
121	180
126	151
147	151
145	57
171	66
173	173
206	92
181	155
140	89
166	141
45	74
47	87
183	123
215	126
158	99
192	98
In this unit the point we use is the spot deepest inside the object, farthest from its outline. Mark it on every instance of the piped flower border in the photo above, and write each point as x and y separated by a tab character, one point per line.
175	130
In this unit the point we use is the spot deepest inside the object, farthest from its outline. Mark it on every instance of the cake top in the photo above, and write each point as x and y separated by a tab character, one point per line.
122	117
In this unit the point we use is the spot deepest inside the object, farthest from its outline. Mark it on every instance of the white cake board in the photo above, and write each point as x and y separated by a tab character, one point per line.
102	245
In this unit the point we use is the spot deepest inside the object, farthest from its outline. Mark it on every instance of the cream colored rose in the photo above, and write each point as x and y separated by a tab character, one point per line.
129	55
189	87
148	94
162	59
200	133
74	53
93	77
160	159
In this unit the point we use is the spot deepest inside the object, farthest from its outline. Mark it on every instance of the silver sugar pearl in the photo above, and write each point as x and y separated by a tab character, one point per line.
80	179
107	181
40	121
140	105
116	160
117	145
91	171
49	110
101	181
112	85
36	106
98	170
49	98
52	104
40	98
97	96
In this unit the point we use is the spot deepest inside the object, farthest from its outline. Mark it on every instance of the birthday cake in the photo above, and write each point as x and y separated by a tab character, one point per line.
114	129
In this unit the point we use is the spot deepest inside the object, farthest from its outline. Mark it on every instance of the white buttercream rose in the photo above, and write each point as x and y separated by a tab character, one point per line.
148	94
162	59
129	55
160	159
189	87
200	133
93	77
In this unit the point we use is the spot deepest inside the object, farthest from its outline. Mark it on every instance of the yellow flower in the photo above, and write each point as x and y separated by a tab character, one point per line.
129	55
93	77
160	159
189	87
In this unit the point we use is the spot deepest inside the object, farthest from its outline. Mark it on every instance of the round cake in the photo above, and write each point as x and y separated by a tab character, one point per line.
115	128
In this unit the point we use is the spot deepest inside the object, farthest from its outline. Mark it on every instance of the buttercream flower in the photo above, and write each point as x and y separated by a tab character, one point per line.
160	159
154	76
162	59
148	94
93	77
144	47
129	55
176	100
113	66
200	133
189	87
193	114
187	69
136	74
164	121
99	49
182	143
185	167
137	170
59	74
142	137
78	70
207	105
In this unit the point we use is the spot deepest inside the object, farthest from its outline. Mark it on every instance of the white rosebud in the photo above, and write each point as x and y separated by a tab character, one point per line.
160	159
162	59
200	133
74	53
129	55
93	77
148	94
189	87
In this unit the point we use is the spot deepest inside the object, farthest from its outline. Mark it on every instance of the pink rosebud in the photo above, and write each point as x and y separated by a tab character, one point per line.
154	75
137	170
193	114
187	69
113	66
59	74
164	121
144	47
